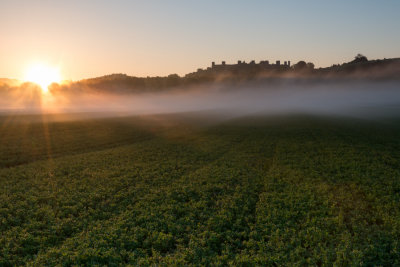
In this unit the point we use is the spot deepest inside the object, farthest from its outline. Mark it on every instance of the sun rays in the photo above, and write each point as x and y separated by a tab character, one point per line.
43	75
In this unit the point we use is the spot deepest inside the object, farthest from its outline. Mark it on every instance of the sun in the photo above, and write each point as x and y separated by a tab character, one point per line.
43	75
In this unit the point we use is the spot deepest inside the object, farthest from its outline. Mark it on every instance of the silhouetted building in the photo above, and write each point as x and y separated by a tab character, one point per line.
242	67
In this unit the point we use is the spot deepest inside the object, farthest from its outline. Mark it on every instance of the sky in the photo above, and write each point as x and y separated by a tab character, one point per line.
92	38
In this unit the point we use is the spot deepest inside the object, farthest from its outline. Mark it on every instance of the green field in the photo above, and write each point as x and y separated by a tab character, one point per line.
177	190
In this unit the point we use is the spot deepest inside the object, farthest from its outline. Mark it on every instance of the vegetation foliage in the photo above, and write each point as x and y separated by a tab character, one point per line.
162	191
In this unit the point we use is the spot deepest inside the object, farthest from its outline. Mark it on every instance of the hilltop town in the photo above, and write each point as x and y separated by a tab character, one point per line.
360	66
243	68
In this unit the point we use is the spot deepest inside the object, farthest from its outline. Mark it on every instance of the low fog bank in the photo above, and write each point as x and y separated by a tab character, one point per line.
331	97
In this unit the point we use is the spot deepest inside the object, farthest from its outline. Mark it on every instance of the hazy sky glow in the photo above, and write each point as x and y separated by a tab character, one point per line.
149	38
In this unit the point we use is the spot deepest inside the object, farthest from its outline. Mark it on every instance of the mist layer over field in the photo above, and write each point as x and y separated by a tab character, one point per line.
270	96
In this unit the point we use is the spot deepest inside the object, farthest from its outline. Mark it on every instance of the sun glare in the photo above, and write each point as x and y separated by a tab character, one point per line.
43	76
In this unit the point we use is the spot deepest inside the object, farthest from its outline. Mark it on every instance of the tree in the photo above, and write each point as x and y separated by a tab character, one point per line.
360	58
300	65
310	65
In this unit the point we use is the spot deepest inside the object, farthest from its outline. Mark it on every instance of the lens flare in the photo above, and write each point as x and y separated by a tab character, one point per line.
43	76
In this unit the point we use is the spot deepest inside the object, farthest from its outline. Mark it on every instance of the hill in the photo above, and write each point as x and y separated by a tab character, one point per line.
388	69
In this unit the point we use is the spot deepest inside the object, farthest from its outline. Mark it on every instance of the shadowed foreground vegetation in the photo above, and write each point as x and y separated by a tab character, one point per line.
162	191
